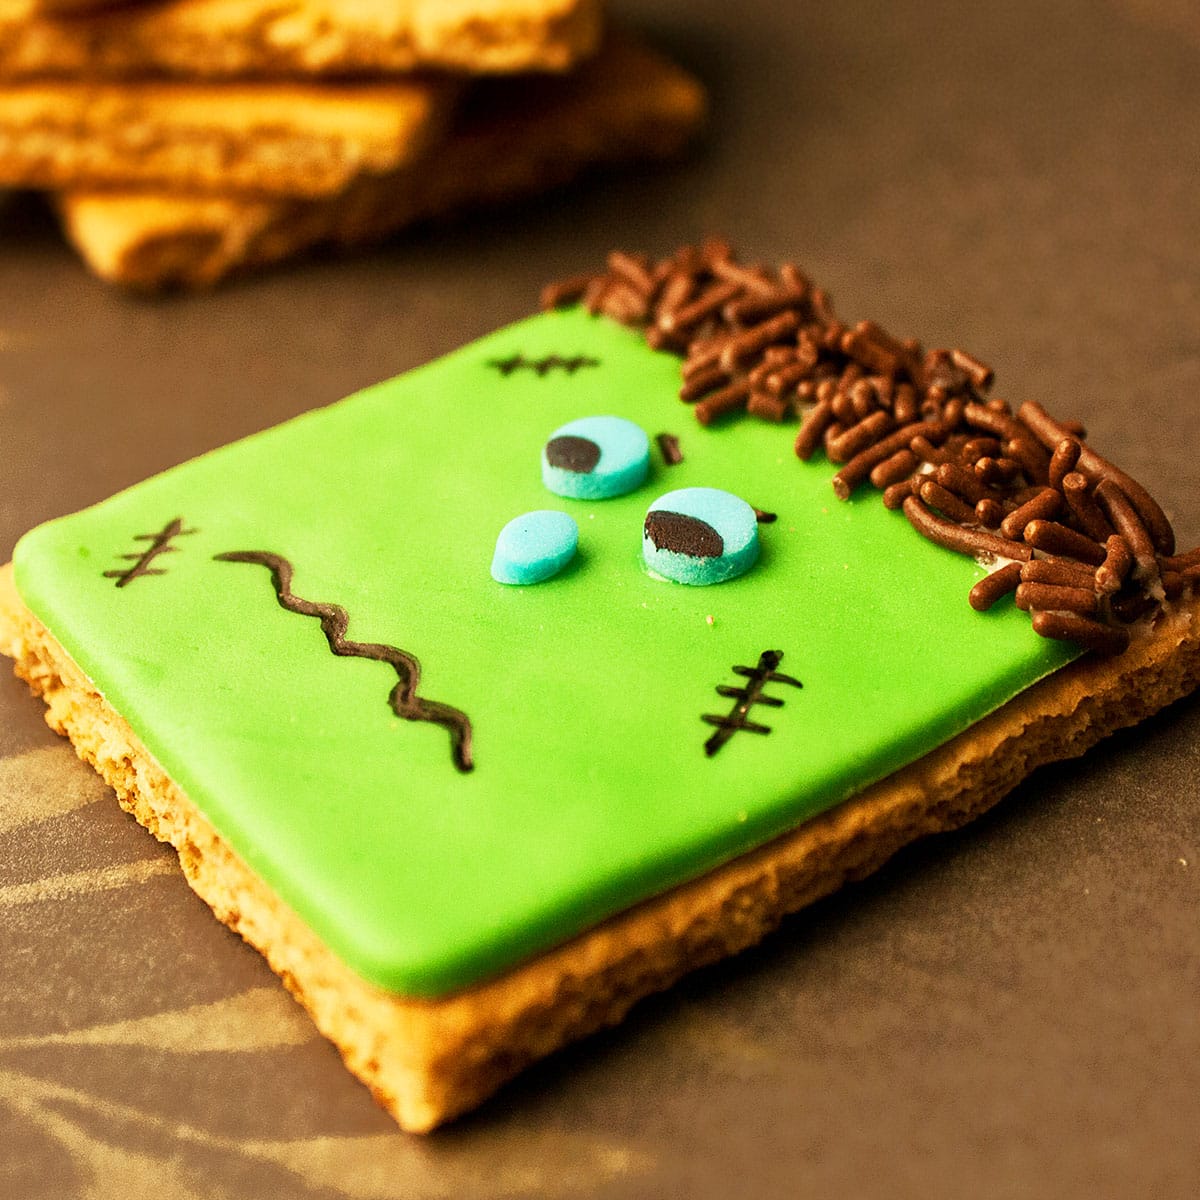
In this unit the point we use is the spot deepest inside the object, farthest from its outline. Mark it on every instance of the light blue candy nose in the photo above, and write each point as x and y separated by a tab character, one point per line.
534	546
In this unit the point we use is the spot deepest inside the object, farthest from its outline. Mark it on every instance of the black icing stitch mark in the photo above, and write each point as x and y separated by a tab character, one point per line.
403	697
160	543
542	366
745	698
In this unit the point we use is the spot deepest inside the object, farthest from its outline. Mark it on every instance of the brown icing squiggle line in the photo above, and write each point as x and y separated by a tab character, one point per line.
403	698
160	543
745	698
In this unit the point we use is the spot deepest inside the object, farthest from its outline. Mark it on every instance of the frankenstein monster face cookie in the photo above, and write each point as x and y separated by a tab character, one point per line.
470	820
335	772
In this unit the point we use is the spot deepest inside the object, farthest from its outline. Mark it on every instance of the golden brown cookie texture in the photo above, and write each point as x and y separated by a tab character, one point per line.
69	7
515	137
426	1061
291	139
260	38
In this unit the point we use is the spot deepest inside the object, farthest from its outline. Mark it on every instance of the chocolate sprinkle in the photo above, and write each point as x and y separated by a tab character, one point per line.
1032	597
968	471
962	538
1043	505
992	587
1057	573
668	447
1051	537
1090	634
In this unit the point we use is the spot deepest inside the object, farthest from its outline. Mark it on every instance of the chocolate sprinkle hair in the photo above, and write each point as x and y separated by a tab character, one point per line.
1080	545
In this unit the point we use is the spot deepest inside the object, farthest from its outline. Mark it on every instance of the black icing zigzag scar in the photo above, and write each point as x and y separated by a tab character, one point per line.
542	366
403	698
160	543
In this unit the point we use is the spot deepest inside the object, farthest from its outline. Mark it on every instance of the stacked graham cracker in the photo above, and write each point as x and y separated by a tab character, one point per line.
185	140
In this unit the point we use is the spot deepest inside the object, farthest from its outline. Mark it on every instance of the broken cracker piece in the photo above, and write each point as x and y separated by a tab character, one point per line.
627	103
290	139
260	38
69	7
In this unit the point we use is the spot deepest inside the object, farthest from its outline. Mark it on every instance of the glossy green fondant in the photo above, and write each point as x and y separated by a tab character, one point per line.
591	788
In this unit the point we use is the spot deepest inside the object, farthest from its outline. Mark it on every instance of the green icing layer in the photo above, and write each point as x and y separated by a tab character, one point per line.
591	788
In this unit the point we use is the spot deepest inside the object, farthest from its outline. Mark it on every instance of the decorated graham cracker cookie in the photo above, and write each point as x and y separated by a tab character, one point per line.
260	38
289	139
626	104
503	693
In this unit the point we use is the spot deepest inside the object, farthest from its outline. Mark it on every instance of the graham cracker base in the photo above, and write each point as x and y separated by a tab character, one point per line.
426	1061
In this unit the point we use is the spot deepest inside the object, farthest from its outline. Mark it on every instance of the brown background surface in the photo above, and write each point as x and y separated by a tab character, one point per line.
1008	1011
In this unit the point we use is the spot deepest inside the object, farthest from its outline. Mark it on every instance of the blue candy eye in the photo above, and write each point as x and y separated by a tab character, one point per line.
700	536
596	458
534	546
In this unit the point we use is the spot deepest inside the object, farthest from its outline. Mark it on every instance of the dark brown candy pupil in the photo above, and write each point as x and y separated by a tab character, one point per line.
570	453
683	534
